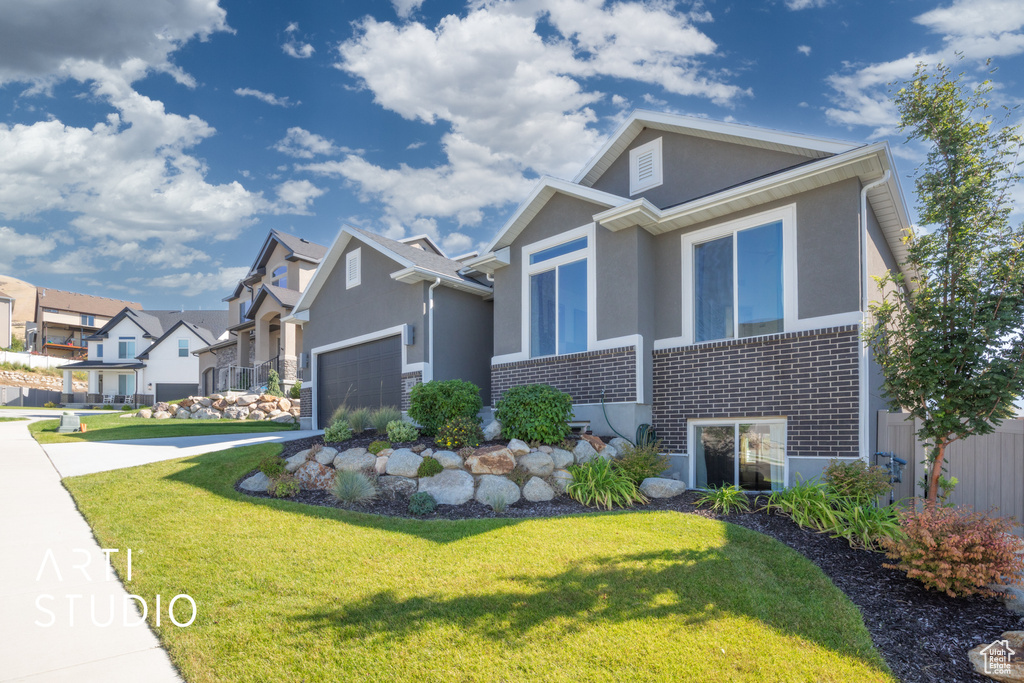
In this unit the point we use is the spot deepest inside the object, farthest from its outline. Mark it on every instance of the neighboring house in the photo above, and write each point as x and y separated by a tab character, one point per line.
707	278
380	316
6	320
63	319
141	357
259	339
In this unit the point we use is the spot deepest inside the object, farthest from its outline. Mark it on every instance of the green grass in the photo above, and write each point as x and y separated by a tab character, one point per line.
293	592
12	419
113	427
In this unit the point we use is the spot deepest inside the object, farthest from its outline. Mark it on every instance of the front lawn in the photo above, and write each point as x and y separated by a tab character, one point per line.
293	592
12	419
113	427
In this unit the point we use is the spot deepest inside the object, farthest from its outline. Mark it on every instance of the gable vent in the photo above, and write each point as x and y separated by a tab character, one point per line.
353	268
645	168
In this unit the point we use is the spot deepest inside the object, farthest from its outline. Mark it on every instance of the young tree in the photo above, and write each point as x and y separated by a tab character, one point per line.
949	337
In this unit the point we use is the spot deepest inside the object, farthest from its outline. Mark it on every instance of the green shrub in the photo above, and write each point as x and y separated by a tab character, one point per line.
359	420
274	384
340	413
284	486
956	551
459	432
49	404
107	406
353	487
377	446
296	390
596	484
382	416
429	467
534	412
272	466
338	431
806	503
400	431
422	503
431	404
498	502
126	408
724	499
856	481
640	462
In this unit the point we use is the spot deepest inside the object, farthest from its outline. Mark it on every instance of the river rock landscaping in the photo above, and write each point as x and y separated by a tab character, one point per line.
229	406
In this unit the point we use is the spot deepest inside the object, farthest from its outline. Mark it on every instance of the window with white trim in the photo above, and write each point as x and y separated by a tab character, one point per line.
747	453
183	348
279	278
353	268
99	350
125	385
645	167
126	348
558	279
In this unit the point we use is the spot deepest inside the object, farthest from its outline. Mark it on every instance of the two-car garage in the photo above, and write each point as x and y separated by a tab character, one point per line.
364	375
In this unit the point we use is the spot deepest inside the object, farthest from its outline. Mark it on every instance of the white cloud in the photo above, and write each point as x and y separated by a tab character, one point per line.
296	197
456	244
193	284
404	8
415	145
805	50
18	247
976	28
267	97
296	48
302	144
805	4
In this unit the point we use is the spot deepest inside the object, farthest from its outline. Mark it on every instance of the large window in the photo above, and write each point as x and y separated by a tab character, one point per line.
126	347
280	277
125	385
558	297
750	454
88	320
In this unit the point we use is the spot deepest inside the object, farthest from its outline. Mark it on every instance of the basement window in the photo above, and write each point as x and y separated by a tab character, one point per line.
645	170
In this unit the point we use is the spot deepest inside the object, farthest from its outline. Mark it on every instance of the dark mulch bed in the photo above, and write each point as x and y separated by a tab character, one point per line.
924	636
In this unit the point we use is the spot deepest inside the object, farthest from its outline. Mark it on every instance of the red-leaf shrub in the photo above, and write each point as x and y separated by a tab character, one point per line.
956	551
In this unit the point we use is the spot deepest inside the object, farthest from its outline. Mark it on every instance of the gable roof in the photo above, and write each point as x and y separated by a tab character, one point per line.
298	248
154	323
205	335
422	240
81	303
418	265
752	136
286	297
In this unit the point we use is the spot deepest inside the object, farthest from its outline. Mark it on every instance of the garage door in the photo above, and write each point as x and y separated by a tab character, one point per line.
368	375
172	392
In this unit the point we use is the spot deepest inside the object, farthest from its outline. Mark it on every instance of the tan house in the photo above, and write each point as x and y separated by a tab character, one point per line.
63	319
6	320
259	341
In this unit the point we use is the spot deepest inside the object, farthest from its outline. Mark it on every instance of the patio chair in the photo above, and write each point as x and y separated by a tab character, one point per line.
109	398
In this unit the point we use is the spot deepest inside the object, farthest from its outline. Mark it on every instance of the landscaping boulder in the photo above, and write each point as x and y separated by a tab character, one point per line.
257	482
284	404
380	465
326	455
594	441
257	415
404	463
448	460
385	453
220	404
186	402
492	431
195	407
162	406
216	397
545	449
491	460
230	399
584	452
537	463
657	487
246	399
283	418
353	460
518	447
493	489
562	458
1013	672
561	479
183	414
537	490
608	452
620	444
146	413
161	415
314	476
393	485
206	414
267	406
418	448
236	413
291	464
204	402
450	487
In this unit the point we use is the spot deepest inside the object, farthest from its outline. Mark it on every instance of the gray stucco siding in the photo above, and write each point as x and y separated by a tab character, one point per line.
463	334
693	167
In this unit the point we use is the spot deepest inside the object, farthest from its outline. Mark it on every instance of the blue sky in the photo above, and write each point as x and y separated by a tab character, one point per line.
146	148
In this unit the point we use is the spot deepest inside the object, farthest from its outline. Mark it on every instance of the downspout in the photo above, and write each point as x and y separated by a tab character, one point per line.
430	330
864	397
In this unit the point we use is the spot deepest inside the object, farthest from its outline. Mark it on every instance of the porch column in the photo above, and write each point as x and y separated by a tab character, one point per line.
263	353
289	353
244	342
68	392
94	382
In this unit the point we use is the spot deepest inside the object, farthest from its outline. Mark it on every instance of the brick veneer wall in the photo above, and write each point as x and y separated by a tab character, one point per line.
811	378
581	375
409	380
306	402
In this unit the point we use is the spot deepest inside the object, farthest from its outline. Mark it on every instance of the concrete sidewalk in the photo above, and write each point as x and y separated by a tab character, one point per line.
72	459
46	633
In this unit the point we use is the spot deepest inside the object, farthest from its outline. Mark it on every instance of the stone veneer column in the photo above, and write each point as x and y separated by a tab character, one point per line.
409	380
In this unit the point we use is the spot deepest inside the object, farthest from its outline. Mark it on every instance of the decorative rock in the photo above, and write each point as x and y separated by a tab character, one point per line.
381	464
609	451
124	415
267	406
537	490
518	447
385	453
538	464
584	452
492	431
429	453
216	397
183	414
291	464
355	462
230	399
561	479
220	404
403	463
204	402
257	482
186	402
1012	671
267	398
656	487
491	460
561	458
236	413
314	476
545	449
326	455
246	399
448	460
450	487
257	415
161	415
393	485
162	406
274	413
284	404
493	489
594	441
206	414
418	448
283	418
146	413
295	412
620	444
195	407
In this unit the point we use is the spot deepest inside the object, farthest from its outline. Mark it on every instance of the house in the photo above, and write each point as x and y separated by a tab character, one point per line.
23	306
259	339
63	319
381	315
6	320
709	279
140	357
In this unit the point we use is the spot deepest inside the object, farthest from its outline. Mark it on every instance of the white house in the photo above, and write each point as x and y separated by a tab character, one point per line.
141	357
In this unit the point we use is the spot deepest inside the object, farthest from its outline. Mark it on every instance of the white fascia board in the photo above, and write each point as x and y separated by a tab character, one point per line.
297	318
490	261
417	274
545	188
